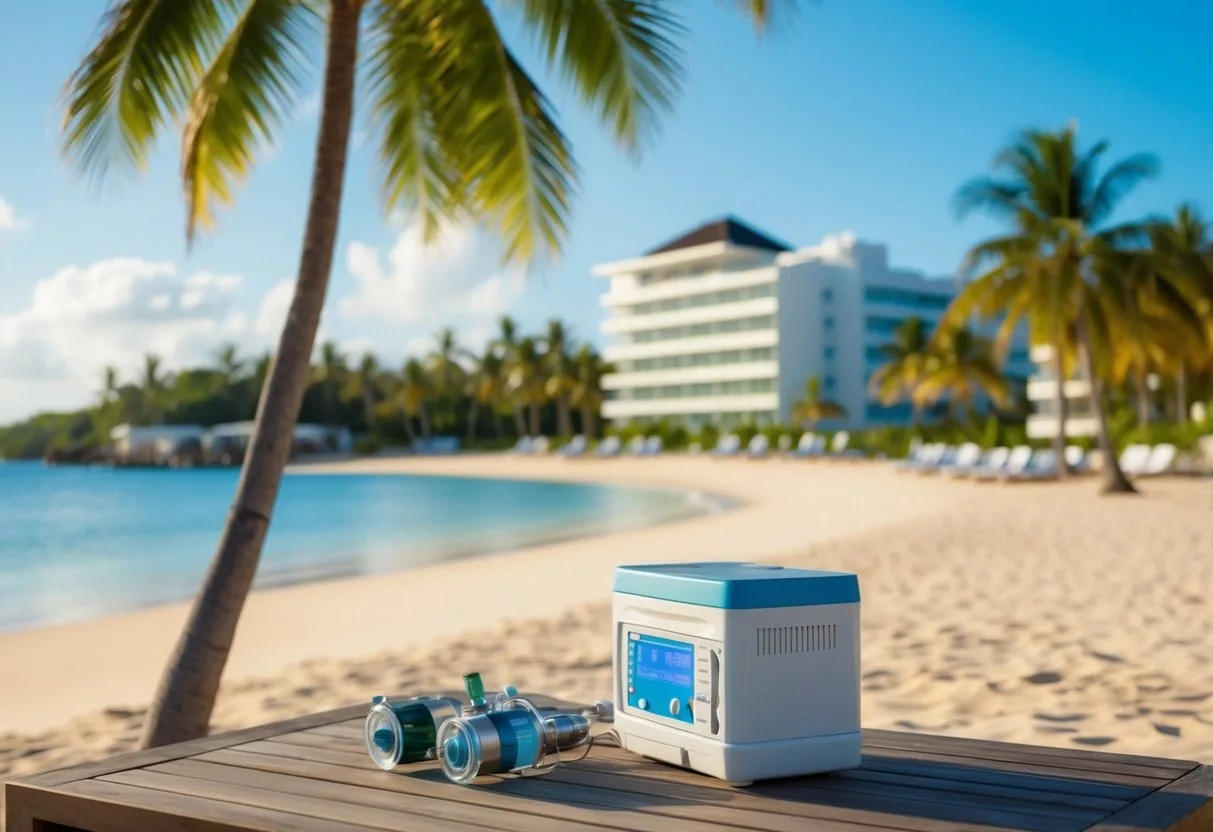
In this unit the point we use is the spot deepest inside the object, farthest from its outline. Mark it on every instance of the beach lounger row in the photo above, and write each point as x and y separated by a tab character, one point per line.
809	446
970	461
1147	460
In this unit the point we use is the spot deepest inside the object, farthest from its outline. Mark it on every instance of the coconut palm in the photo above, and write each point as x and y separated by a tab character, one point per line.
896	380
814	407
526	381
444	364
109	385
229	366
416	387
587	394
1060	259
485	387
153	389
463	131
331	374
365	383
561	373
960	367
506	343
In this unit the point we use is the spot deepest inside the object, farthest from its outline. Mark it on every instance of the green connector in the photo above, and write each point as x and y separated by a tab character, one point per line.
475	689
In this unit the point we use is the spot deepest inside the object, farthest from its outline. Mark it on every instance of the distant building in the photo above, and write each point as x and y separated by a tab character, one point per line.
1042	398
725	324
155	444
233	437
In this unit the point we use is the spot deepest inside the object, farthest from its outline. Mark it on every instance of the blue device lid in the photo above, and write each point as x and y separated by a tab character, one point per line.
737	586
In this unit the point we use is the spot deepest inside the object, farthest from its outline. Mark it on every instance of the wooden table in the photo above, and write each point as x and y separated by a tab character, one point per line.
312	774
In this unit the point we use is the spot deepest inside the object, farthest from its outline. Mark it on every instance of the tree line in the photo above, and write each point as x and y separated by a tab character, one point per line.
516	385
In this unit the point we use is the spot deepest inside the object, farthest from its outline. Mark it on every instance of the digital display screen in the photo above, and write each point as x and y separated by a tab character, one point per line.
665	662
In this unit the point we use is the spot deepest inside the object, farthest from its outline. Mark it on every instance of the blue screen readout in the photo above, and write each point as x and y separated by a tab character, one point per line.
661	671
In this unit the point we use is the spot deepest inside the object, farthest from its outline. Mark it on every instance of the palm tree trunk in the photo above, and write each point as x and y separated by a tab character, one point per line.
368	407
1143	401
564	416
181	708
1181	395
424	418
588	425
408	427
534	420
519	424
472	420
1063	411
1114	479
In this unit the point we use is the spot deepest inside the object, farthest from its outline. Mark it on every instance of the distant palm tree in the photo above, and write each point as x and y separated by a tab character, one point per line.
229	365
331	373
485	387
365	384
587	393
506	343
561	373
960	367
813	407
463	131
416	387
109	385
897	379
1058	266
153	389
526	379
445	367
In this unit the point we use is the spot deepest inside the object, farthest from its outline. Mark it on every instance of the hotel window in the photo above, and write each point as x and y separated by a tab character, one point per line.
829	352
829	322
827	295
829	384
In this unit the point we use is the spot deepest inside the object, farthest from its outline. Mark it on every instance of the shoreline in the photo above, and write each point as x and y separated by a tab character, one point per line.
691	504
117	659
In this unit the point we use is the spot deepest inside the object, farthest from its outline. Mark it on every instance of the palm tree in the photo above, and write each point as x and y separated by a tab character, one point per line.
587	393
526	379
109	385
416	386
153	389
364	384
813	407
229	365
331	374
897	379
485	386
444	363
561	373
507	343
462	129
1060	260
960	367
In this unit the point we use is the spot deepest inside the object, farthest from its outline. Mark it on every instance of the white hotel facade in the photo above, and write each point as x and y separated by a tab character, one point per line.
726	324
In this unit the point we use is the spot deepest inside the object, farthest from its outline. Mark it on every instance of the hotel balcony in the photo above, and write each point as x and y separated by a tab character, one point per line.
690	316
690	286
1045	389
690	405
1044	426
692	375
688	346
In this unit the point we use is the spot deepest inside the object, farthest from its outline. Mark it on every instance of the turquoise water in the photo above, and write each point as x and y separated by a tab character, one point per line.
77	543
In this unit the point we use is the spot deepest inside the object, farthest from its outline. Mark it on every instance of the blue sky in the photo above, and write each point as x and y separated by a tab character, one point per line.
860	115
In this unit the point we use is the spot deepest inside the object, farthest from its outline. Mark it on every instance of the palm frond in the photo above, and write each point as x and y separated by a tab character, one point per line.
1116	183
137	78
620	55
255	79
764	13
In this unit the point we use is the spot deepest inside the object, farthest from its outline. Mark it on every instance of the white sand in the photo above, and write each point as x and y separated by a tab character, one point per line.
1037	613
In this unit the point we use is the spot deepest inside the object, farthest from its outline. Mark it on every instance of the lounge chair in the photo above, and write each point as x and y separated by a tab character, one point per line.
989	464
608	447
839	447
1133	458
636	446
524	445
1160	461
930	457
758	447
967	457
576	447
945	458
1042	465
652	446
727	445
539	445
810	445
1017	460
918	455
784	444
1077	459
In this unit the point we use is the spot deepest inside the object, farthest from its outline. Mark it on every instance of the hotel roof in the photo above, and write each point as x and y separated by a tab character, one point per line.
727	230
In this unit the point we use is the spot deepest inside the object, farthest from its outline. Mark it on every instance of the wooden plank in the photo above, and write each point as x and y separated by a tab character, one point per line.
138	759
98	806
877	758
397	819
643	777
518	804
1010	751
1185	805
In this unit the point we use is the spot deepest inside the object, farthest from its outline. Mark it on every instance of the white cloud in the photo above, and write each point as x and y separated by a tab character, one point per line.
9	221
457	275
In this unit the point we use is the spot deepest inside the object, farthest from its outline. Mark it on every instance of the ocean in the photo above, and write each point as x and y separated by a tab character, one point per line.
82	542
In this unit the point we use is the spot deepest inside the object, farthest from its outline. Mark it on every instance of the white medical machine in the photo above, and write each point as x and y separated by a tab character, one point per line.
738	670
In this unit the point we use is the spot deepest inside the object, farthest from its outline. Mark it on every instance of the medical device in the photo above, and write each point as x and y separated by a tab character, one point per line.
406	731
737	670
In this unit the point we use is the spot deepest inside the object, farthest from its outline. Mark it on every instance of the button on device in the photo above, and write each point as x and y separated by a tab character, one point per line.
642	703
675	706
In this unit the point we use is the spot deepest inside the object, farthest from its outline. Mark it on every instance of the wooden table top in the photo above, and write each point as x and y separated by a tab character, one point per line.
313	773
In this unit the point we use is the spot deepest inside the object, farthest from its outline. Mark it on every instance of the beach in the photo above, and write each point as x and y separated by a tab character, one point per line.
1038	612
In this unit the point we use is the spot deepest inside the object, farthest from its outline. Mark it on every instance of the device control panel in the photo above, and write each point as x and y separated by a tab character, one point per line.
673	679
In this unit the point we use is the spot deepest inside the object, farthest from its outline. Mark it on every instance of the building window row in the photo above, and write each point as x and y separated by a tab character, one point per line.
903	297
699	359
696	330
762	290
682	391
1074	407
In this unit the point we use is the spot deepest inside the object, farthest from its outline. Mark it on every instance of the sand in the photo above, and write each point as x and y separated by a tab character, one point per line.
1037	613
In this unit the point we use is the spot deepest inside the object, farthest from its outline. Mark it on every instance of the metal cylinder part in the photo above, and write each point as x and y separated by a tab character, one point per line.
406	731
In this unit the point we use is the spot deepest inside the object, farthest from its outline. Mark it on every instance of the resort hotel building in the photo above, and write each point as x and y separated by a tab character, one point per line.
725	324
